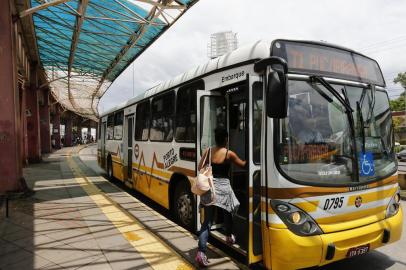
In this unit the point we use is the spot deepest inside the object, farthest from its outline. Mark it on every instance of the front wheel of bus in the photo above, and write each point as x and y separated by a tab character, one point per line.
183	206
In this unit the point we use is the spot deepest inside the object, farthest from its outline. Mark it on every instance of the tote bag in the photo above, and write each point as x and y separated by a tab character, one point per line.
204	179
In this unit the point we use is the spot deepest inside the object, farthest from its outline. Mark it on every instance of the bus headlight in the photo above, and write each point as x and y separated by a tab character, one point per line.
394	205
297	220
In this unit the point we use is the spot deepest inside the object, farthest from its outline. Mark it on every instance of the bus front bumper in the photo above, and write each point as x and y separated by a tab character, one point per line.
290	251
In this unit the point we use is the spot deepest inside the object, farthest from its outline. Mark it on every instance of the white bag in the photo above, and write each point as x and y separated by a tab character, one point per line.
204	179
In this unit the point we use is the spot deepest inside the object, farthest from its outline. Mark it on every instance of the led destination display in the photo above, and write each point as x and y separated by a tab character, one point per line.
310	58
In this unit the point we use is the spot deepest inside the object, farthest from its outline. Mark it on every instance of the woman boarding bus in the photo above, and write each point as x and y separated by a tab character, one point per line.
313	122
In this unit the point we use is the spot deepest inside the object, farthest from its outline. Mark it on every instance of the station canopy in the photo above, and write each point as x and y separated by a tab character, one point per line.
84	45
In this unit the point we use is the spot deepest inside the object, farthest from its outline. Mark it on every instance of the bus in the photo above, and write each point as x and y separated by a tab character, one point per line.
312	120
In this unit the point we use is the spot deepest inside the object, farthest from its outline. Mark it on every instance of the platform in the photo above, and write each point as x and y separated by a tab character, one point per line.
76	219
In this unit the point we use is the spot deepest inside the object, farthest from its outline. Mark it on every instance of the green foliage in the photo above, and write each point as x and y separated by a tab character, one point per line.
401	78
397	124
399	103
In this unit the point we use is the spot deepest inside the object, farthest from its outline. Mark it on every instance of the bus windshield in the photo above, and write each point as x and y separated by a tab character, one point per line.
316	140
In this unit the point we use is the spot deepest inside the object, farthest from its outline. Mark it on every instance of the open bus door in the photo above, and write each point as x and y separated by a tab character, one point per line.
230	107
211	112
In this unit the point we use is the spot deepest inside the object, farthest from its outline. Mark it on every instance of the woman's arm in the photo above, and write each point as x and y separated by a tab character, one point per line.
236	160
204	158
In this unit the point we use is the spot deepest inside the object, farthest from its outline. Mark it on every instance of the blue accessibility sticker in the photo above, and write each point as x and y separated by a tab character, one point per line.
366	164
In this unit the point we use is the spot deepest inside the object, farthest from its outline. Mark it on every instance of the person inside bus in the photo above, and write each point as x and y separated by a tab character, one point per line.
302	124
224	197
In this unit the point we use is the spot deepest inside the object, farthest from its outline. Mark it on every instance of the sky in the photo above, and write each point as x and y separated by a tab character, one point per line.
372	27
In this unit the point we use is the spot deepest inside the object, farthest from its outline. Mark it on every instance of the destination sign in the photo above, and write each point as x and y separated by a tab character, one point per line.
328	61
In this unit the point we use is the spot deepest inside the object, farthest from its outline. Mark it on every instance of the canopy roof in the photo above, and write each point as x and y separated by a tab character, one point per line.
84	45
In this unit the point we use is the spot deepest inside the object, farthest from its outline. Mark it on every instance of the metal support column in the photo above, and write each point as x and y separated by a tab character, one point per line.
33	125
56	126
45	131
68	130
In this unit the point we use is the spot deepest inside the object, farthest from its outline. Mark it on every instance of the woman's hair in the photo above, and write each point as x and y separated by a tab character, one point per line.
220	135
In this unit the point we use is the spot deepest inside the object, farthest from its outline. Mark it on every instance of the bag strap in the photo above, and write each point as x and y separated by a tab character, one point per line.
204	160
210	156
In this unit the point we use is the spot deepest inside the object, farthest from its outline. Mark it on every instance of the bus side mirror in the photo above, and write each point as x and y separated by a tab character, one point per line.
277	85
277	94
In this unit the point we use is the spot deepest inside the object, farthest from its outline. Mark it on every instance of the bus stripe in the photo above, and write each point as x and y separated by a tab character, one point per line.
305	192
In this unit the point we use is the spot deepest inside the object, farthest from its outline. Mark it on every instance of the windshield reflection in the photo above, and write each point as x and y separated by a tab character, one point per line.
315	142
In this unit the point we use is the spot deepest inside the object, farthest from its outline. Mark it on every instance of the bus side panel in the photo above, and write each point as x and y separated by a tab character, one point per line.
114	149
153	166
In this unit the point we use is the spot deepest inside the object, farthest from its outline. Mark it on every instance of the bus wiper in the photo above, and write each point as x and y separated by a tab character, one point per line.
355	165
334	92
361	120
371	107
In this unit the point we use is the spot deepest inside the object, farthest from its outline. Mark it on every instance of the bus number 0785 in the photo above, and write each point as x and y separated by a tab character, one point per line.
333	203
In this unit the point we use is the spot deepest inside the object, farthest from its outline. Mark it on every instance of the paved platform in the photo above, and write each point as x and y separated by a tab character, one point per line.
78	220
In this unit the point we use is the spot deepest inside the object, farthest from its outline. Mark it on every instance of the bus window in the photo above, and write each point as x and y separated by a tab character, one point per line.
110	127
186	116
162	118
142	121
212	115
118	125
257	121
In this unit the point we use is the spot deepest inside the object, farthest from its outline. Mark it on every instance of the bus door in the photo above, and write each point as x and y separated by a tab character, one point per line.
211	112
237	111
255	124
128	144
103	144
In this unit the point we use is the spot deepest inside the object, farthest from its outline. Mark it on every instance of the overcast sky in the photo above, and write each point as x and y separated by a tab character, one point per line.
375	28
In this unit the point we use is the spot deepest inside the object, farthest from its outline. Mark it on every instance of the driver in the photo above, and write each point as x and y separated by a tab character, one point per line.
302	124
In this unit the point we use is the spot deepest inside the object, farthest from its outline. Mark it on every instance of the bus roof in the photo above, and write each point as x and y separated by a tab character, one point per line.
258	50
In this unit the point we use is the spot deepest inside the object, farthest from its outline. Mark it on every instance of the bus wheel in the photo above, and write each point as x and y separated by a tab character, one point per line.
183	206
109	169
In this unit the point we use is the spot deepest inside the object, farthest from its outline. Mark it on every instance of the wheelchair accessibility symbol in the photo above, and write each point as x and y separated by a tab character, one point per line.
367	167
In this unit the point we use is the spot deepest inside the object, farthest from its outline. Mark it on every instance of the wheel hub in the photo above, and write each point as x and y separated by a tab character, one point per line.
184	207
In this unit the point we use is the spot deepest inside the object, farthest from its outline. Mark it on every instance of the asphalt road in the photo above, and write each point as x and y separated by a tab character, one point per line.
392	256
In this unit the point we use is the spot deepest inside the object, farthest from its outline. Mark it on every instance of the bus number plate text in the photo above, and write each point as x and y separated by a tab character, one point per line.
357	251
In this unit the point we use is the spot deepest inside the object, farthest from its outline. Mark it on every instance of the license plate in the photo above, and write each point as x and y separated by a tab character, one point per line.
355	251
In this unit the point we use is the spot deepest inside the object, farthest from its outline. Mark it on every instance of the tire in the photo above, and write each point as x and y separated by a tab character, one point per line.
183	206
109	169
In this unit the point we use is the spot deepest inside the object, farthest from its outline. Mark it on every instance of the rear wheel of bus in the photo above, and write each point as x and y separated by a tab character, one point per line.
182	207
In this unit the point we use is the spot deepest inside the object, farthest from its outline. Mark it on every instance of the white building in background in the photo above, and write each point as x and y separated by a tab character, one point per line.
222	43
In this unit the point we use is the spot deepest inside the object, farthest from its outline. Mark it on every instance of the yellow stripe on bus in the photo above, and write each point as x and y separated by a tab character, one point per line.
354	215
372	196
155	172
308	207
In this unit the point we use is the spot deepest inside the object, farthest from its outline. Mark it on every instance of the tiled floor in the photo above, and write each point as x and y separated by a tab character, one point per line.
61	226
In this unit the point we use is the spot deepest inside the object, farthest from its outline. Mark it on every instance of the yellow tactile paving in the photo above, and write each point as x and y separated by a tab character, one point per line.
158	254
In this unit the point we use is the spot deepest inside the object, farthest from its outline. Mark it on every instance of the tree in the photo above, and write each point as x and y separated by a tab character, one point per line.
399	103
401	78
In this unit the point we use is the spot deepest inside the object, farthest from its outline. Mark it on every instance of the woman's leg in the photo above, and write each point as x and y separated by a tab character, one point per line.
228	223
204	230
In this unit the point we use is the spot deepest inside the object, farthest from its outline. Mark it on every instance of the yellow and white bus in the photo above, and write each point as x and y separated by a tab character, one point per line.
313	121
